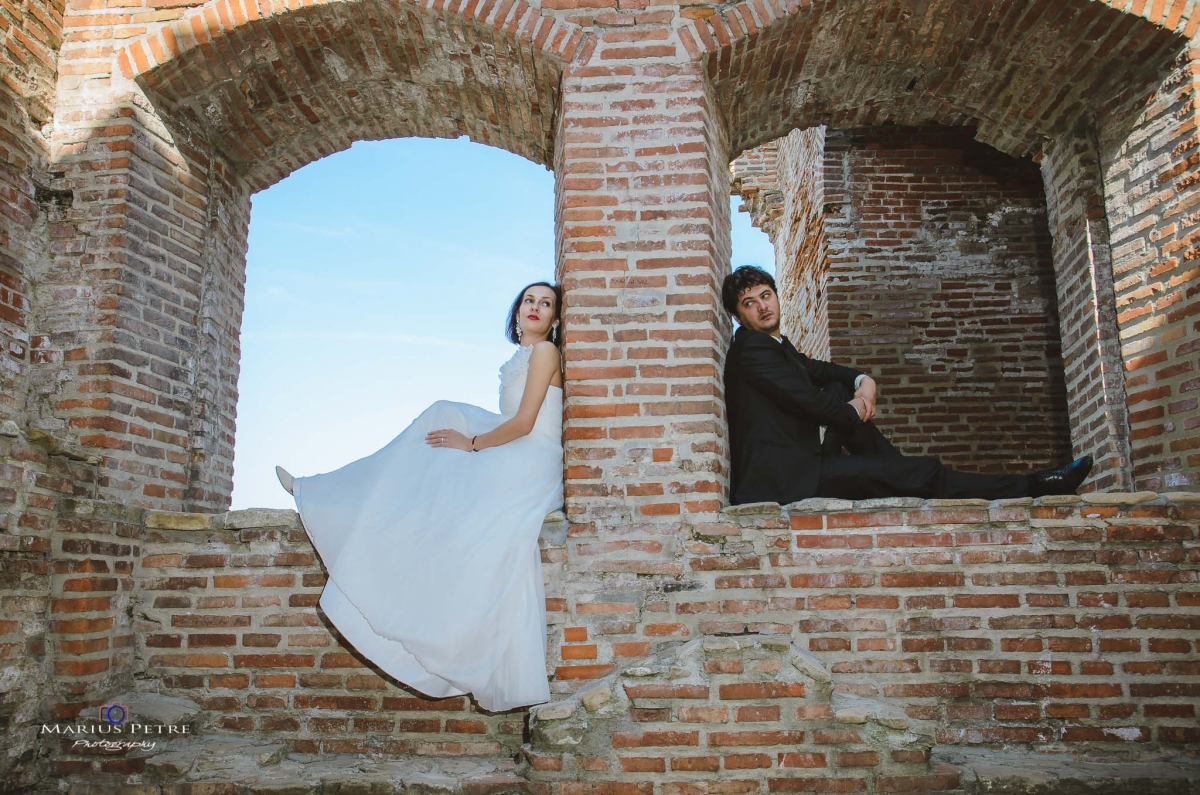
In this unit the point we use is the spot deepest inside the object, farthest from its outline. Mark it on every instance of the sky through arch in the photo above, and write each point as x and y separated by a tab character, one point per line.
377	281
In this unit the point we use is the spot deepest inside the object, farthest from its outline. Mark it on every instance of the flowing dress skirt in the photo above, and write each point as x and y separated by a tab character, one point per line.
435	573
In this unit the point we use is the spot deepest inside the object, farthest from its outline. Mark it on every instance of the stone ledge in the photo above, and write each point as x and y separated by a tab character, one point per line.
236	764
248	518
829	505
1011	773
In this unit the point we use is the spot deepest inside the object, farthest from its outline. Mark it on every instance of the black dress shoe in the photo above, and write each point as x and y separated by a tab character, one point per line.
1062	480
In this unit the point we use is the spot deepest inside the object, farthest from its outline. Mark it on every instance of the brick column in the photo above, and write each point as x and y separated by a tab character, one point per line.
1083	273
642	189
1148	150
144	351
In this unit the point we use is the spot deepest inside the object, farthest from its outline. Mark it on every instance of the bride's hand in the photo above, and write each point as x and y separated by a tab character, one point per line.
448	437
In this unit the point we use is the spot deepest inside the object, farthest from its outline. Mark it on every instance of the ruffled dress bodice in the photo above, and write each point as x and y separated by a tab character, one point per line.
513	375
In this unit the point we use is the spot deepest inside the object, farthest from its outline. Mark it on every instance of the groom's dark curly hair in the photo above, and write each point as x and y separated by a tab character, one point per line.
510	330
739	281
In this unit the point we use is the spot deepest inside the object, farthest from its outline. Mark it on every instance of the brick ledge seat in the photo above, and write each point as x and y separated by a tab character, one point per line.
229	764
247	518
829	505
984	770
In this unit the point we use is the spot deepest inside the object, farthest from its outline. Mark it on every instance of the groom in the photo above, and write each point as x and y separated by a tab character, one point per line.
777	398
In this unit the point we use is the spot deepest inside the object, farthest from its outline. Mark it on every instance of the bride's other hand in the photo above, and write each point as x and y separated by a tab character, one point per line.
448	437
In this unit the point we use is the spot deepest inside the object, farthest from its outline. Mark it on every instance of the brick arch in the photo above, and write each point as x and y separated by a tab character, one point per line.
1030	77
1017	70
276	86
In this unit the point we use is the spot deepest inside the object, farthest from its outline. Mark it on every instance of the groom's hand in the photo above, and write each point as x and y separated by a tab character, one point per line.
864	398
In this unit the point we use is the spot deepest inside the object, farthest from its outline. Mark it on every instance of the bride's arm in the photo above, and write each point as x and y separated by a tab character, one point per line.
543	362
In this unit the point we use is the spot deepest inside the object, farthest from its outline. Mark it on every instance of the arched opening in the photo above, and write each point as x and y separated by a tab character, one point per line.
225	102
1034	80
923	257
378	280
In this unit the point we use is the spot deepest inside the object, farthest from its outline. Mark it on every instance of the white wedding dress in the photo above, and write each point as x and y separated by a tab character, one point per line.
435	573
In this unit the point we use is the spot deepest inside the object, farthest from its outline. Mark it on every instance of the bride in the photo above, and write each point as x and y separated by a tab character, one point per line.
431	543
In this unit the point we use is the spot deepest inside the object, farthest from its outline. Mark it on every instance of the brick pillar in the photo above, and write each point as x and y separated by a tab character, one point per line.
784	187
144	354
642	229
1083	273
1148	149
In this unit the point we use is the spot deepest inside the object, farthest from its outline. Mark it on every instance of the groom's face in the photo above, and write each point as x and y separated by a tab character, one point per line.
758	308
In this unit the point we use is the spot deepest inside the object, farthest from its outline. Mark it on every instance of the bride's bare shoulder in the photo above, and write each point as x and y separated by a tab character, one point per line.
545	349
547	355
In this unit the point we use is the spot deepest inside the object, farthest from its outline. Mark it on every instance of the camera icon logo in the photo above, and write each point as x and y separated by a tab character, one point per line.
114	712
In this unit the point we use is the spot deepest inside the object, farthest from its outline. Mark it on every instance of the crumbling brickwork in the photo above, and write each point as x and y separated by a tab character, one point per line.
133	145
30	206
763	650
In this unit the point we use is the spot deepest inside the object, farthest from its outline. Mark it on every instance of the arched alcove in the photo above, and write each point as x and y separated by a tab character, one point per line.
377	283
1031	79
219	103
923	257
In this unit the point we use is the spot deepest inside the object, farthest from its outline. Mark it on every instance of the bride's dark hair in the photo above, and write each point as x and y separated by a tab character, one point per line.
511	330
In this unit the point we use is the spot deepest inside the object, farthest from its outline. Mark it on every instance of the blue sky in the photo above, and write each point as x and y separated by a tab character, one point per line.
377	282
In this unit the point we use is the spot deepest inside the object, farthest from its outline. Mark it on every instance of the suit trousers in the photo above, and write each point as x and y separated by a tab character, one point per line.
874	468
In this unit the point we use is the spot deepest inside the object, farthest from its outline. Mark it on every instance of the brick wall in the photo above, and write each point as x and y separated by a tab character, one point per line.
1058	602
24	571
227	616
123	360
30	37
30	204
942	287
66	635
1063	623
755	711
1147	148
166	119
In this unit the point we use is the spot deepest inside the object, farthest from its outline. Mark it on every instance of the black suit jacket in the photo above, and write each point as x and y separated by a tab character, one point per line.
775	405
